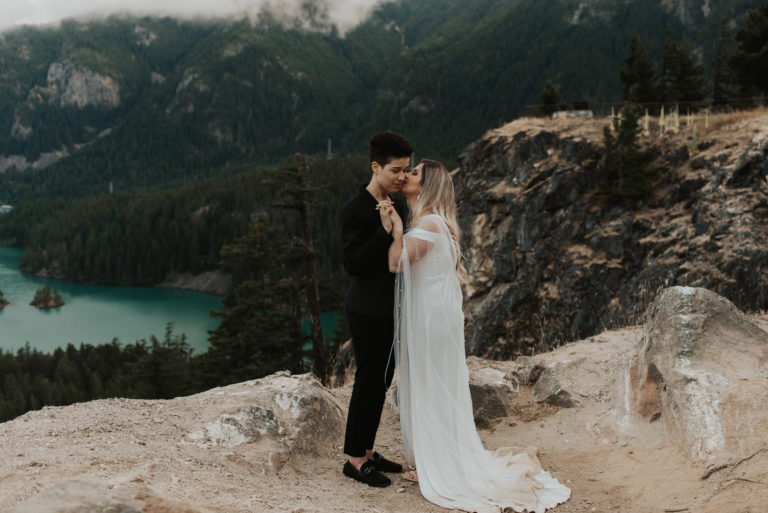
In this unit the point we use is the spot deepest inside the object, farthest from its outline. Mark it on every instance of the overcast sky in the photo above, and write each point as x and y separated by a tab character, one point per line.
345	13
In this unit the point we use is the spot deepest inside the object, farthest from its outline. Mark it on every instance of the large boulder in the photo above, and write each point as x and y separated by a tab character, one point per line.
274	418
703	368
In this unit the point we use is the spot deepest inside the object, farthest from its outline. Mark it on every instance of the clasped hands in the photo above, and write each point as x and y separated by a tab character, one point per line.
390	219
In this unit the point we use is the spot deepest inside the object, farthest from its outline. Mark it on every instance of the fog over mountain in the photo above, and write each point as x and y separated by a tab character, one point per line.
344	14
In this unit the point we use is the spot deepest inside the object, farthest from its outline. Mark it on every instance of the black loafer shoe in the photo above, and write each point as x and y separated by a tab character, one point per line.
382	464
367	474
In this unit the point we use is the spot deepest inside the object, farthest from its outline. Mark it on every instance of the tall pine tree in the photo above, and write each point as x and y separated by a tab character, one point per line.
639	77
723	82
751	58
690	79
669	69
297	198
258	332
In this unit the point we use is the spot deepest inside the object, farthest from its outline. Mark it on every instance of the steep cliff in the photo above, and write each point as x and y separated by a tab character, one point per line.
550	263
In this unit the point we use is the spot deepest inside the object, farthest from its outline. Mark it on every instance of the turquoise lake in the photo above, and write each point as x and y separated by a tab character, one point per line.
96	314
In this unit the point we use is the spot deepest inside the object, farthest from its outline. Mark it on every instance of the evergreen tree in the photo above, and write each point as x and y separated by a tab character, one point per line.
296	197
682	78
723	83
165	370
257	334
626	171
550	99
669	70
3	301
639	77
751	57
690	79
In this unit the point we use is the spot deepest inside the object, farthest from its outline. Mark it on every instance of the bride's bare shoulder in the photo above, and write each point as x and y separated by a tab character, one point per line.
430	223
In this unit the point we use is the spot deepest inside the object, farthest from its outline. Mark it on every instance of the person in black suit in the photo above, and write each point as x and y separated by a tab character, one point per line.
370	304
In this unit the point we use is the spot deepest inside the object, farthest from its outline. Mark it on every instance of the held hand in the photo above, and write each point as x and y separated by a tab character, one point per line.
397	223
384	208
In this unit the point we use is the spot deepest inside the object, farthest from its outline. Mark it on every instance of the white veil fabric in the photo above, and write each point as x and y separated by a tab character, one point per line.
436	416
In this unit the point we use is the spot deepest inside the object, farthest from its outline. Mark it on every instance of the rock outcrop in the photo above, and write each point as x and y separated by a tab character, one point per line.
703	368
210	282
71	85
548	263
67	84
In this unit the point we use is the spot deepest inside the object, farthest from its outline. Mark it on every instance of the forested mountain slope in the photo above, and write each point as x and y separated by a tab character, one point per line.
141	102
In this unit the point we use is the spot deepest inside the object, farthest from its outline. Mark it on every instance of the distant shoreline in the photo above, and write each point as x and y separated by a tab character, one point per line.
208	282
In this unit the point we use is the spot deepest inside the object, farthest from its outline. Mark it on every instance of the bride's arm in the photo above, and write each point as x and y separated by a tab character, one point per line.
420	241
397	244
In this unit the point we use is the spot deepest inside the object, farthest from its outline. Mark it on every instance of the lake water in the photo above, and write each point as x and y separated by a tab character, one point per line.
96	314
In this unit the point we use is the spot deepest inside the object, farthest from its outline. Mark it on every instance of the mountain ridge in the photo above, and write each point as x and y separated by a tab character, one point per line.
195	97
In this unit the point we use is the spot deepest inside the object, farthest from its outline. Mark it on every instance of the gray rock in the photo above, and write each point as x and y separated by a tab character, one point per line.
492	390
273	418
703	367
678	157
547	389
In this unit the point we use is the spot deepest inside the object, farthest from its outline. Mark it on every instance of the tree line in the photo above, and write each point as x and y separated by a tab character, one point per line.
626	171
737	70
140	238
151	369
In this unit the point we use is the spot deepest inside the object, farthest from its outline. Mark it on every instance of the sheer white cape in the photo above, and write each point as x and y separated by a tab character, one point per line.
439	434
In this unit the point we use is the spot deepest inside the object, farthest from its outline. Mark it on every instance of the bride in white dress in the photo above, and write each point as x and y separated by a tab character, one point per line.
439	434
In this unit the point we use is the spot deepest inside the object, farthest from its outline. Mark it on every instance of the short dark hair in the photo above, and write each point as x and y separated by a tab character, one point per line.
388	145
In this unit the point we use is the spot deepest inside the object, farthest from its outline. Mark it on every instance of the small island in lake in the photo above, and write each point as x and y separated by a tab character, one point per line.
47	298
3	301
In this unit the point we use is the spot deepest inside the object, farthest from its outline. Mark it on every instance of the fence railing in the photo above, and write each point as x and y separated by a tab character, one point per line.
605	109
659	118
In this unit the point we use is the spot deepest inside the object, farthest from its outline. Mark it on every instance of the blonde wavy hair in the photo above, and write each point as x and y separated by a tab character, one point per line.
438	197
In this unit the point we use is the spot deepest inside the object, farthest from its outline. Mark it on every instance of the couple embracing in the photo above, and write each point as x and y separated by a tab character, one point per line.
404	310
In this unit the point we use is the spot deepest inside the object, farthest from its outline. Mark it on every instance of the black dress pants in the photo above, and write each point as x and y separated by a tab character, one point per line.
372	344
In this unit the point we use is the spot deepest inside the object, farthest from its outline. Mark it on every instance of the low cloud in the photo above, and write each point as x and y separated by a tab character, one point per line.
345	14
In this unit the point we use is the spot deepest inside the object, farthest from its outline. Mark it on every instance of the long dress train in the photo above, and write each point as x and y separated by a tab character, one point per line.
439	434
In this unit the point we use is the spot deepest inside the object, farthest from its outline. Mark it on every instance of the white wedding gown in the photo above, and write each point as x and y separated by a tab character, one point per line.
439	435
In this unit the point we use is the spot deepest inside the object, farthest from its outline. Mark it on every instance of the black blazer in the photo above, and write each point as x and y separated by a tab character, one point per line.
366	248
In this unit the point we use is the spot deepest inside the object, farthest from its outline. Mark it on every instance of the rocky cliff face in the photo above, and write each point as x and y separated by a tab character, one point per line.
548	263
68	85
71	85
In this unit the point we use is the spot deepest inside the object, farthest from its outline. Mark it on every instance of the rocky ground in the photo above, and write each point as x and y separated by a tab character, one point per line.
181	455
